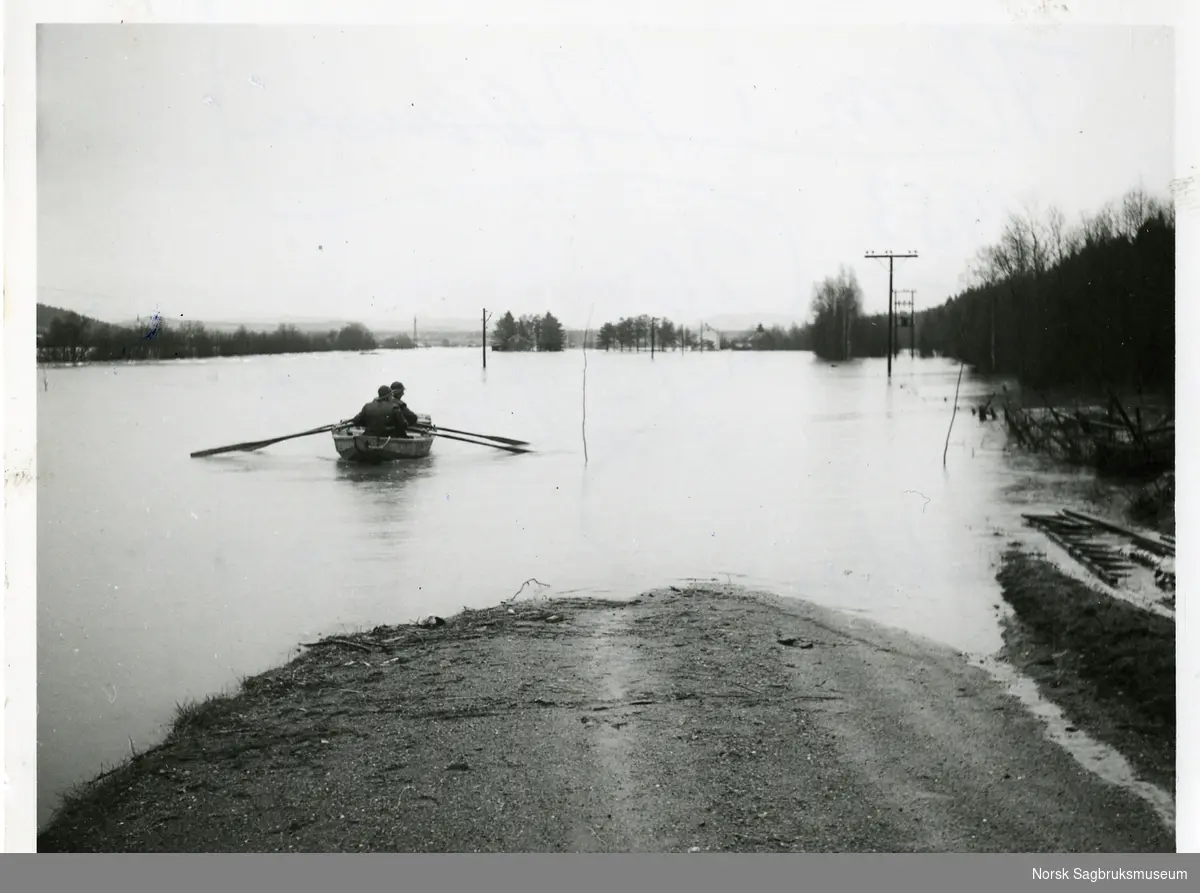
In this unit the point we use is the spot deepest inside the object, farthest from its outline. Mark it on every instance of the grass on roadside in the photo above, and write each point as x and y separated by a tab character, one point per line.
1109	665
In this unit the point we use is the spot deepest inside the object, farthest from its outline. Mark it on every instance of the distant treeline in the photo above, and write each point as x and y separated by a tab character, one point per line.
835	324
70	337
528	332
643	332
545	333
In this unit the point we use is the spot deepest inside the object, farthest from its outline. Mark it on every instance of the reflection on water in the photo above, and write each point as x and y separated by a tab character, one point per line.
384	494
162	577
384	478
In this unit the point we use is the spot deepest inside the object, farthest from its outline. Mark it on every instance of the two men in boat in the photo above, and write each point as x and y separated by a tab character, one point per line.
386	415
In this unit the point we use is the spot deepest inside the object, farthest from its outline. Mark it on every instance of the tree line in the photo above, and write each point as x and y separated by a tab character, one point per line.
638	332
528	332
1054	305
531	332
645	332
70	337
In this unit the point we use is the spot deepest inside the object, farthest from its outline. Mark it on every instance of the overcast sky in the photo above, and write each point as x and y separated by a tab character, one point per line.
238	172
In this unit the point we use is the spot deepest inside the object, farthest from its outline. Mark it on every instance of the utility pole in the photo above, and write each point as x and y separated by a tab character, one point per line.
485	320
905	311
891	258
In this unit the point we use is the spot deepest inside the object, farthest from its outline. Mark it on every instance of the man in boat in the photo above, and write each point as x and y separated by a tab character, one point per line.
381	417
408	416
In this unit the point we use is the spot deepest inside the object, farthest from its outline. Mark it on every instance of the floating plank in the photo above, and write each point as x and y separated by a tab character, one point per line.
1154	545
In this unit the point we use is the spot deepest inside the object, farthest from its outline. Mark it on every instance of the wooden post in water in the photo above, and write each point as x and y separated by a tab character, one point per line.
484	318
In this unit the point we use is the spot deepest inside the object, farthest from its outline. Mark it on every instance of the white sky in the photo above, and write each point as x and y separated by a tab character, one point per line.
688	173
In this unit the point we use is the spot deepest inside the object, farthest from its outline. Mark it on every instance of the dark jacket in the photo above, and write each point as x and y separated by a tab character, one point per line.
380	417
410	417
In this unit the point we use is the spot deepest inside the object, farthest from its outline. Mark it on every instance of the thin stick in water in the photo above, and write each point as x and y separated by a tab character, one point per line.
583	423
945	449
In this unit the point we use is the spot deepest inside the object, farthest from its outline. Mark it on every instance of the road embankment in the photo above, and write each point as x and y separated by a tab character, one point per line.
703	719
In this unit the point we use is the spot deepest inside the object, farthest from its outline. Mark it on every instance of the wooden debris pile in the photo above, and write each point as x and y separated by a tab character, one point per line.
1083	538
1105	437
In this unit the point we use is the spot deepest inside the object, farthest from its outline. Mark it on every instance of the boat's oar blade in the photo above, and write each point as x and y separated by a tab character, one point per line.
509	440
496	446
251	445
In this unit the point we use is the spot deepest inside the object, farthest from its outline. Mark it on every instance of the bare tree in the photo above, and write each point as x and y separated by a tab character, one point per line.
1135	210
836	303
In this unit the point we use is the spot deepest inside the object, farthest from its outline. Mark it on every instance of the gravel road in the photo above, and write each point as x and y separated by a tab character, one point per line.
703	719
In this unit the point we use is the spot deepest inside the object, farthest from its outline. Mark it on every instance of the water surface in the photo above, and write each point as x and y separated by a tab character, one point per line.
162	577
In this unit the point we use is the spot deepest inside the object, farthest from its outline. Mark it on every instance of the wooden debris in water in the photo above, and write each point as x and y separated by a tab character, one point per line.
1104	437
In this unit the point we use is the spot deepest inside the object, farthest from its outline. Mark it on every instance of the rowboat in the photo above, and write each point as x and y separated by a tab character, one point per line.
354	444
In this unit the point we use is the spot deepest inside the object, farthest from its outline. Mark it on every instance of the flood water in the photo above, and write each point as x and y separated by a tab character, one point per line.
163	578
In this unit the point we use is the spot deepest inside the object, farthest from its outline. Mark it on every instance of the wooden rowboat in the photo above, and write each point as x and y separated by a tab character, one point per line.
355	445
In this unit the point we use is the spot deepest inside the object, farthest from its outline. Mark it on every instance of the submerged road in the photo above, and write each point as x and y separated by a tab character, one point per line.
696	720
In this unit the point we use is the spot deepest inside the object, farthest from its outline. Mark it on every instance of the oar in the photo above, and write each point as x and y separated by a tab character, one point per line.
507	440
479	442
259	444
